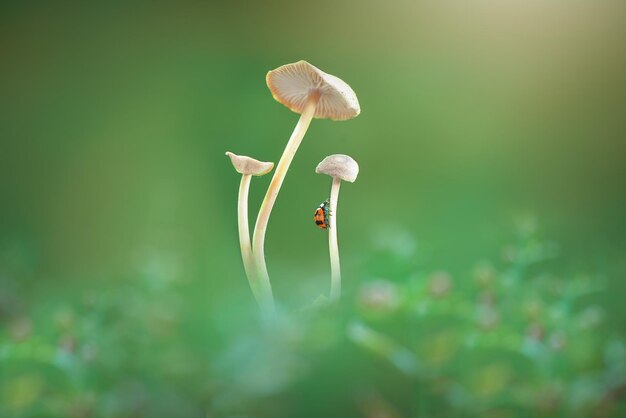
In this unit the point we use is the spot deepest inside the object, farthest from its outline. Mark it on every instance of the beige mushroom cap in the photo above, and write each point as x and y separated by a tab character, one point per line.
339	165
248	165
292	83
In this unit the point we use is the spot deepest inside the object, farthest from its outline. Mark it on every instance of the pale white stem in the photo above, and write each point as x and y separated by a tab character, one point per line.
258	240
244	236
333	246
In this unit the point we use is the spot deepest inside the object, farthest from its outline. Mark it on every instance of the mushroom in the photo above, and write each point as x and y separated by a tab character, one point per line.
248	167
307	90
339	167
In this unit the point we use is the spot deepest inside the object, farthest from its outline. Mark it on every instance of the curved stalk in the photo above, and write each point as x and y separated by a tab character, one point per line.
333	246
244	236
258	241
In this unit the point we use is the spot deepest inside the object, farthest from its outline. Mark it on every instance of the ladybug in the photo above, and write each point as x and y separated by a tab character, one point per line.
321	215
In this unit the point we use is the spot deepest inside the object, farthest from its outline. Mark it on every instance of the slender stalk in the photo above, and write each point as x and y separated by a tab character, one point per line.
258	240
333	247
244	236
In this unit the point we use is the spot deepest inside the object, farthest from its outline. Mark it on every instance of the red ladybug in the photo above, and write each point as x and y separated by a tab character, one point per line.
321	215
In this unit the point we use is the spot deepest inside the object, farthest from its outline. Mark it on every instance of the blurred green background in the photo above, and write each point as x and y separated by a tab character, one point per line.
483	244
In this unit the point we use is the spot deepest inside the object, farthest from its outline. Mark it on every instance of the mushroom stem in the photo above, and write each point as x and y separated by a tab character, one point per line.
333	247
244	236
258	240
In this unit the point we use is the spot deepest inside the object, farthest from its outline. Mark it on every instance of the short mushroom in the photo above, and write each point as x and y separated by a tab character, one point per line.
307	90
339	167
248	167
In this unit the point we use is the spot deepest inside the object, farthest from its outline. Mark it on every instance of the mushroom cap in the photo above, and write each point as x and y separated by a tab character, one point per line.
291	84
247	165
339	165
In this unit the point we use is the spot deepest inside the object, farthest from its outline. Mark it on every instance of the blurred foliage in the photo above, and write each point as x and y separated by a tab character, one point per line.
510	338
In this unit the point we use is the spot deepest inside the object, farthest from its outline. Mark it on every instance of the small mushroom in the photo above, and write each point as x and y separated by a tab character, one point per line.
248	167
307	90
339	167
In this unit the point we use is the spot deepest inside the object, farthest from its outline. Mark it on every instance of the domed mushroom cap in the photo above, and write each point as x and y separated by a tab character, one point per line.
292	83
248	165
339	165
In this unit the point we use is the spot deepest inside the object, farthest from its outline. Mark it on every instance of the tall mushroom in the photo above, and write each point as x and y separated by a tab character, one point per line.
339	167
248	167
311	92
